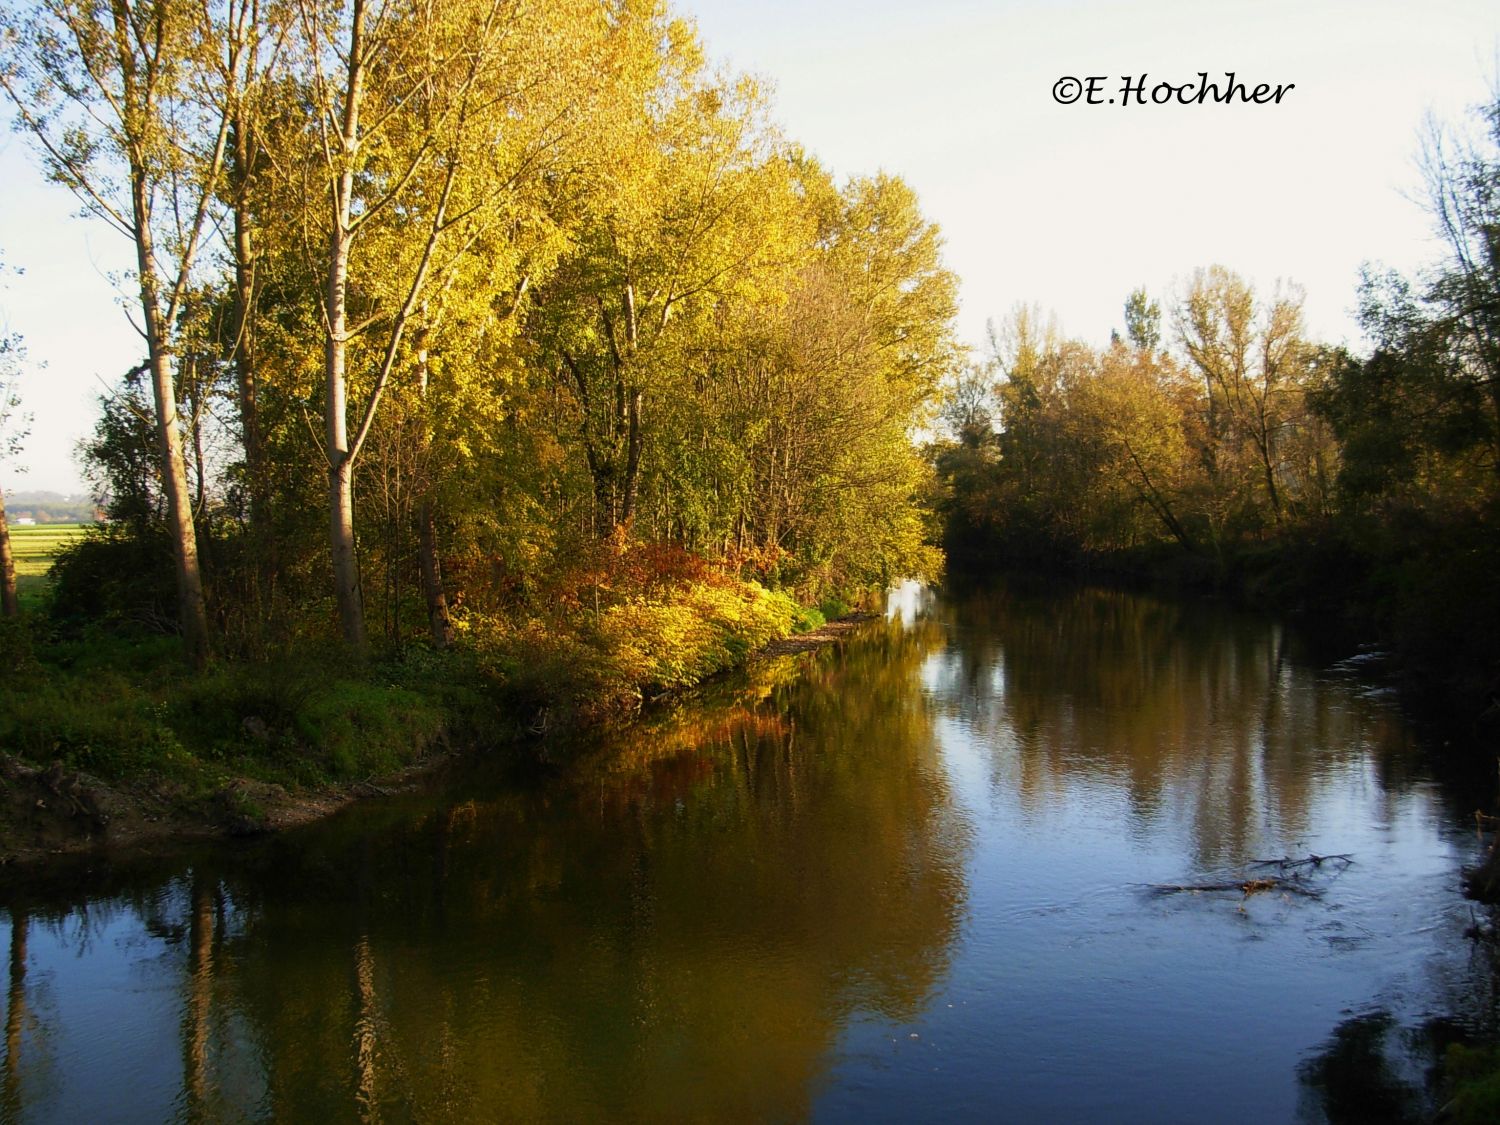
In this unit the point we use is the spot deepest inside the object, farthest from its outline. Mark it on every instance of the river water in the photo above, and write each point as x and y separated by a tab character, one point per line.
908	879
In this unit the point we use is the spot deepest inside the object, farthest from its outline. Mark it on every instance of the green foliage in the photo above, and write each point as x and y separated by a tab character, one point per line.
1475	1076
362	729
120	460
626	624
111	576
833	607
101	723
123	712
808	618
17	647
1142	320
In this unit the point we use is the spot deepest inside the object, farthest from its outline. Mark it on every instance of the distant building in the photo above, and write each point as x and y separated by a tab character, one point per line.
25	521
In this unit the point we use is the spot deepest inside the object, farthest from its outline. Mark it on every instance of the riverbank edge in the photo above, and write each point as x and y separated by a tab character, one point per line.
65	814
1424	604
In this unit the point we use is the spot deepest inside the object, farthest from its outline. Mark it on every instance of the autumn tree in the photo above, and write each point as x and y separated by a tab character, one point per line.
1463	186
112	96
679	218
249	96
411	151
1255	366
1142	320
1130	409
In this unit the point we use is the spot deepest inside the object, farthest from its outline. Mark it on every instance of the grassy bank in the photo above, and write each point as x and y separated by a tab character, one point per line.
101	709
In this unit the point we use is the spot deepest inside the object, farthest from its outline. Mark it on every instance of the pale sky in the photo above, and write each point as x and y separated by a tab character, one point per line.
1068	206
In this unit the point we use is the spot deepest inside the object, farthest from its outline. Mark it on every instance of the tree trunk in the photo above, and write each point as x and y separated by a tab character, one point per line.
195	425
192	617
1264	449
346	588
432	577
191	612
262	542
340	458
1158	503
10	605
632	460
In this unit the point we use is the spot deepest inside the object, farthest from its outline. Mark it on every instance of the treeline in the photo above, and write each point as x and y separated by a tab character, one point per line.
1199	427
465	315
1214	443
51	507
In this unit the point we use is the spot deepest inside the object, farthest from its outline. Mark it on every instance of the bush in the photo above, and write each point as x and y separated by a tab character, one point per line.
17	648
808	618
116	580
101	724
650	633
360	729
833	607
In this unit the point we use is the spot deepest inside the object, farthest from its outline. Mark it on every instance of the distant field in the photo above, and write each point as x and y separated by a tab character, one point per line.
34	549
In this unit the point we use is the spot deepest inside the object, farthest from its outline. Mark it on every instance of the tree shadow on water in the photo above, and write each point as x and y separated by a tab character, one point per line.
1371	1072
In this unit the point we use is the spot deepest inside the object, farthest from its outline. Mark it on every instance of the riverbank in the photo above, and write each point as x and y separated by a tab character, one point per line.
833	844
250	749
1420	589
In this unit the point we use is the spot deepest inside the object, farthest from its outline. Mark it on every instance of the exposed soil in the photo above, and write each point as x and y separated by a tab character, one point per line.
52	812
816	638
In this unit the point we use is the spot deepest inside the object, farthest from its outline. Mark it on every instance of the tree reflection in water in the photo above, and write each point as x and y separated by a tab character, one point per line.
1198	716
726	912
677	926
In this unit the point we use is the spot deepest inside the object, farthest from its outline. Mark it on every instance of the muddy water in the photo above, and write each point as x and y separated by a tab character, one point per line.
909	879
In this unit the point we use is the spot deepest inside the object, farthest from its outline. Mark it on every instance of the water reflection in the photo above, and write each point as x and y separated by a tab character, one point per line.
1194	714
897	881
15	1011
677	927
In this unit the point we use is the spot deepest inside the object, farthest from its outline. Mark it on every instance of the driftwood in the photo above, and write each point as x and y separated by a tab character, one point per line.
1311	861
1291	877
1247	887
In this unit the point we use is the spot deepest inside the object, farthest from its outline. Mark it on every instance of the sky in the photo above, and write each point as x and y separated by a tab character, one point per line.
1066	206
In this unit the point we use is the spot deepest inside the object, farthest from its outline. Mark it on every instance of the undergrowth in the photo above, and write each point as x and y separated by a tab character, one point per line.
116	701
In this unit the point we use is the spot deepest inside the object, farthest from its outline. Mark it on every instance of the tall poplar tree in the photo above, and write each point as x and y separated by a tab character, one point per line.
110	91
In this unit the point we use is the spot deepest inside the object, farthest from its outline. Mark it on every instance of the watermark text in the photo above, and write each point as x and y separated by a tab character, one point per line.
1141	89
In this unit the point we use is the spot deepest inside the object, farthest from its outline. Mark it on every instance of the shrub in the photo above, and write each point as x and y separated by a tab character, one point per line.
808	618
116	579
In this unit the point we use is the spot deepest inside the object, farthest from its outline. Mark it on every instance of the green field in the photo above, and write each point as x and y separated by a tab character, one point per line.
34	549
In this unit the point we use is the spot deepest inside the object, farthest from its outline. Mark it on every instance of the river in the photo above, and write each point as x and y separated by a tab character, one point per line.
913	878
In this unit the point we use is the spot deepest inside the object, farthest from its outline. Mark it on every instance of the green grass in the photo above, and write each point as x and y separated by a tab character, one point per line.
119	703
126	711
35	548
1475	1075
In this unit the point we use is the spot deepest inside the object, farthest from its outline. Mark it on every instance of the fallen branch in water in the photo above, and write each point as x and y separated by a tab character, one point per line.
1247	887
1291	876
1289	864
